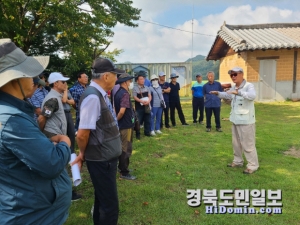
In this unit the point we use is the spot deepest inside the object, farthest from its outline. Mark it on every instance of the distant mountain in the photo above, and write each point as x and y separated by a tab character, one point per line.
200	65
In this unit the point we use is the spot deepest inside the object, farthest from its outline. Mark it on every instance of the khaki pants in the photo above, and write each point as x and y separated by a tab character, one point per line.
243	140
126	138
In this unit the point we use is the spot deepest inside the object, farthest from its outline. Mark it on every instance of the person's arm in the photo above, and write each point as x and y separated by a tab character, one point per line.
249	94
37	111
34	149
89	114
65	97
149	96
121	113
48	108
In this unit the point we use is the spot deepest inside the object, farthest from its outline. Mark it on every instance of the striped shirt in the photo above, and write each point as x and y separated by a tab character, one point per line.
156	96
37	99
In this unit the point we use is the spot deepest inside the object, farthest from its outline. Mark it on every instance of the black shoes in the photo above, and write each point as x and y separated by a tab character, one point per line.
128	177
75	196
195	122
167	126
184	124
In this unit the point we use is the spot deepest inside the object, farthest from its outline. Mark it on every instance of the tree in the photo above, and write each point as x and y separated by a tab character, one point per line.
72	32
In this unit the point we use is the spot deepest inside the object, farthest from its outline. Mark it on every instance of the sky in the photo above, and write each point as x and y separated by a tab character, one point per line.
149	43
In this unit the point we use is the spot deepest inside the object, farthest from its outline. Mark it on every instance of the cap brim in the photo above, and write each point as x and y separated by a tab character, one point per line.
119	81
30	67
174	77
117	71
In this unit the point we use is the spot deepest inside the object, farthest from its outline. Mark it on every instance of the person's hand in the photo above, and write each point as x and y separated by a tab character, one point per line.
58	138
79	160
145	103
235	92
214	92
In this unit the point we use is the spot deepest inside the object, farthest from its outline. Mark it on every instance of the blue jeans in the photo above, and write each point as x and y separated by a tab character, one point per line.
156	115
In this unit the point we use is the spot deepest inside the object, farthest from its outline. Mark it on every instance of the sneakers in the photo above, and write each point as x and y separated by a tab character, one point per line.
201	122
158	132
233	165
184	124
208	130
75	196
195	122
248	171
141	127
152	133
128	177
219	130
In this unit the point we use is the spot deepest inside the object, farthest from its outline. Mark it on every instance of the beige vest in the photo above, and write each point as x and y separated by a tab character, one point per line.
242	110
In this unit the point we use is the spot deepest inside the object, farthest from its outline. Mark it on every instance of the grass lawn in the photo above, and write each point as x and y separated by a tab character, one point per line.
189	158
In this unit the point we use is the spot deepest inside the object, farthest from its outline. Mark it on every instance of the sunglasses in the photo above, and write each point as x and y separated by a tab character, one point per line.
233	75
62	81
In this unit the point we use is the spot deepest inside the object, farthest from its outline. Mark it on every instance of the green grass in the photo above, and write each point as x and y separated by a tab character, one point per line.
189	158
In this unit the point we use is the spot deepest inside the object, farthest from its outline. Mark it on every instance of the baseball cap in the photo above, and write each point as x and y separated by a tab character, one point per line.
198	75
236	69
56	76
161	73
102	65
38	81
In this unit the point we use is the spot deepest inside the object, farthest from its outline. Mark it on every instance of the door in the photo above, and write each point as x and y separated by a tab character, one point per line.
267	79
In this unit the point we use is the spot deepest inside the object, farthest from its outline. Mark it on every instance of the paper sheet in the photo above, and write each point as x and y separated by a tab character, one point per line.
75	171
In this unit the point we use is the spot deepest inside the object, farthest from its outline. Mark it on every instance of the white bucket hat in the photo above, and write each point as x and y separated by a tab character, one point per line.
153	76
15	64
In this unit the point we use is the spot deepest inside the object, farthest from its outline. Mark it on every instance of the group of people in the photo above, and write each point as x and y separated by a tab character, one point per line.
35	150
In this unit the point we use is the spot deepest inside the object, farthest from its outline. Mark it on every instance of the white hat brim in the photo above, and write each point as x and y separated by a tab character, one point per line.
30	67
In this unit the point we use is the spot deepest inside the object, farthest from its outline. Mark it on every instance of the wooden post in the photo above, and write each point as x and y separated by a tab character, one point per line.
295	71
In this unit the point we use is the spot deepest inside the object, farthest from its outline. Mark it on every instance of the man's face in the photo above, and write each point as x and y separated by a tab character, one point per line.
237	77
27	86
174	79
210	77
199	79
162	78
60	86
110	79
141	80
84	79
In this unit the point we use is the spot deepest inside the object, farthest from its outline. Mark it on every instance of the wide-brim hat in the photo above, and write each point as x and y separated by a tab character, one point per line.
153	76
14	64
123	78
173	75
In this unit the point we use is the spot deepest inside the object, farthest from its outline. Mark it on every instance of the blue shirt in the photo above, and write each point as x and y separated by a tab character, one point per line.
35	187
147	82
211	100
198	89
37	99
165	85
76	92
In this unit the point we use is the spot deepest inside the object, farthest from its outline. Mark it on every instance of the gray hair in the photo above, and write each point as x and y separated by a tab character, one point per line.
210	72
96	75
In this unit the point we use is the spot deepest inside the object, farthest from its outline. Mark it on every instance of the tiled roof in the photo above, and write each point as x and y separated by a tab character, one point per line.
261	36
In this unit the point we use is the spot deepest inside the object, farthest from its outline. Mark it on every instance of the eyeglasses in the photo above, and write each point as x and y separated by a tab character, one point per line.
233	75
62	81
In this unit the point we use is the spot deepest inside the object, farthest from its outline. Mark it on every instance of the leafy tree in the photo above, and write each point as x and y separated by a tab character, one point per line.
72	32
200	65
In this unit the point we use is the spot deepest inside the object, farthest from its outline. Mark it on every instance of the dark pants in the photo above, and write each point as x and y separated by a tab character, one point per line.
166	113
173	106
216	111
77	121
198	104
70	130
126	138
144	118
106	205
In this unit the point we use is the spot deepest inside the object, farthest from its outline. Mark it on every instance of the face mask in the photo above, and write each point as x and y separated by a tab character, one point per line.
130	87
155	83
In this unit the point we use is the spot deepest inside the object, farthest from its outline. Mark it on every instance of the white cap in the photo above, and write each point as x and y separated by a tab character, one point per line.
56	76
161	73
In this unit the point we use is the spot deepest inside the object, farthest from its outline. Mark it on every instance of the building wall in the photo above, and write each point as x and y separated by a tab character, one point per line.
249	62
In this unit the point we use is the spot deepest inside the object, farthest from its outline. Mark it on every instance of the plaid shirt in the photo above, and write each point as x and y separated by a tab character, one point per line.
37	99
76	92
